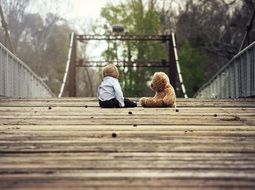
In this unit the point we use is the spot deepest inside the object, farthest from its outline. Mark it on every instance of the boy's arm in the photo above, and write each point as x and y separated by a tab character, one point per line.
118	93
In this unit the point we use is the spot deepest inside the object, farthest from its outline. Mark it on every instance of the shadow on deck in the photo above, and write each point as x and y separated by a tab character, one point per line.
71	143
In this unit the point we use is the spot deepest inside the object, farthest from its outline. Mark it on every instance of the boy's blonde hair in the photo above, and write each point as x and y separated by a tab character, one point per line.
111	70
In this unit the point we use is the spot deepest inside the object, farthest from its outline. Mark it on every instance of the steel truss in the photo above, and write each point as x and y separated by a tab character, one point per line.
162	63
74	62
127	37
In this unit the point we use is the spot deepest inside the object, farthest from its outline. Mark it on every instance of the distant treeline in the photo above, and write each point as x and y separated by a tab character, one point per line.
208	34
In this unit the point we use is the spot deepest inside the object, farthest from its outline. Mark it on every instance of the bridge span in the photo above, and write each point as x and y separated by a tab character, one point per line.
70	143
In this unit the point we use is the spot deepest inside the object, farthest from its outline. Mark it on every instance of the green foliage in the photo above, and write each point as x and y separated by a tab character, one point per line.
192	63
136	19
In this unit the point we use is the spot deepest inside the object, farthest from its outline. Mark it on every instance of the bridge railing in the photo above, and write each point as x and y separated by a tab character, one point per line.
235	80
17	79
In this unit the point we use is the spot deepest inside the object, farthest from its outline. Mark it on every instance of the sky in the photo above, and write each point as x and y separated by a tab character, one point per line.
81	9
86	8
83	13
80	13
72	10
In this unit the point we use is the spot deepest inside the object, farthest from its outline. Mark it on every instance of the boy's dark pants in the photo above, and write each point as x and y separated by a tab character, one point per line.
113	103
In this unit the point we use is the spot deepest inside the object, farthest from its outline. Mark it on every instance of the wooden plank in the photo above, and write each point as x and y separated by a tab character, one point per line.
195	161
148	173
70	166
5	129
127	147
122	135
87	102
112	118
123	112
179	156
137	110
109	139
94	99
119	182
228	121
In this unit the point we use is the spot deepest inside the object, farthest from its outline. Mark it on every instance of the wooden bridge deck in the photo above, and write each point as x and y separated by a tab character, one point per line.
71	143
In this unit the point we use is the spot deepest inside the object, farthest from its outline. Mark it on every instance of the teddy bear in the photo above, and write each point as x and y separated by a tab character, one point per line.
165	94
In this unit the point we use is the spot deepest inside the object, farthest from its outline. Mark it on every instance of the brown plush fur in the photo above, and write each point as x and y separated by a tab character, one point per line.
165	94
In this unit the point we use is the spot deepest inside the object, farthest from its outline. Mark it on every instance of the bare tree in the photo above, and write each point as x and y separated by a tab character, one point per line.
15	12
88	78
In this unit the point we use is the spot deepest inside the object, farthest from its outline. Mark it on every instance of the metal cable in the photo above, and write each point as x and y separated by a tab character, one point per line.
67	66
178	67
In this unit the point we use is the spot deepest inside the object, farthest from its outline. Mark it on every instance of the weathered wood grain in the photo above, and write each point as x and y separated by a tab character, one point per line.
93	102
71	143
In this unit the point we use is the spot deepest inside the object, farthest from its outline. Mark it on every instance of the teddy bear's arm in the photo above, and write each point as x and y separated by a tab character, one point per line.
142	101
151	102
170	98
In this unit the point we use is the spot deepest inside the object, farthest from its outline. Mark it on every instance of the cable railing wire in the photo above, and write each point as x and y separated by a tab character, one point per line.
179	68
67	66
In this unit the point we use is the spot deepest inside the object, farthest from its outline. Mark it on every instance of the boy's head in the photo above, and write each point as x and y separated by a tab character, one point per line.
111	70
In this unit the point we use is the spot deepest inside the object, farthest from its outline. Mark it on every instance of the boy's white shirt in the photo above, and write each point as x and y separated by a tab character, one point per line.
109	89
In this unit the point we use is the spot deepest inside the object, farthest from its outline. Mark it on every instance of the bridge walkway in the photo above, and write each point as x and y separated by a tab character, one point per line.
71	143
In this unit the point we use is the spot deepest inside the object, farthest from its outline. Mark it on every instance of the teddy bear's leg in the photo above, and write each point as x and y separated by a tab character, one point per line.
152	102
169	101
